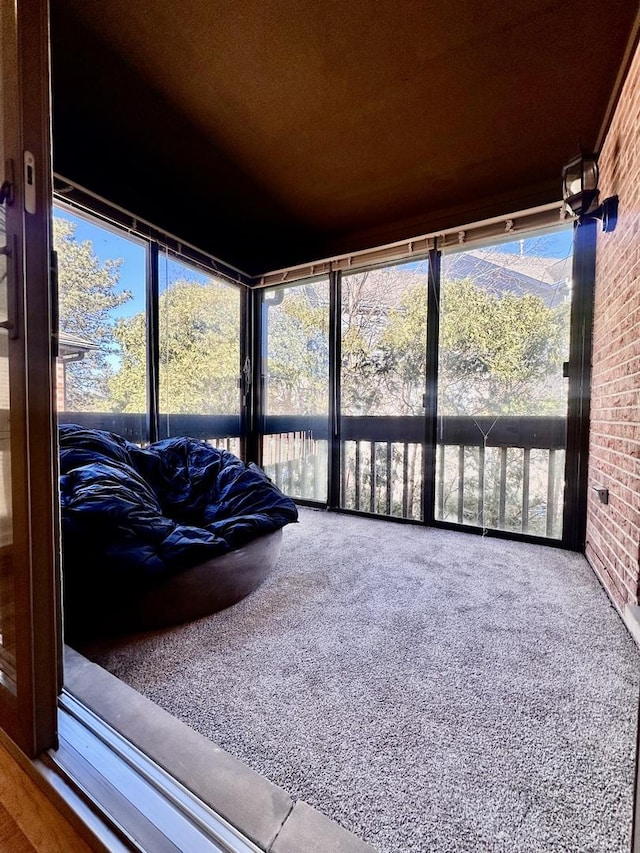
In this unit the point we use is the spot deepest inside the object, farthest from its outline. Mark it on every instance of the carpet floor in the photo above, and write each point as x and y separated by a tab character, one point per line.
430	690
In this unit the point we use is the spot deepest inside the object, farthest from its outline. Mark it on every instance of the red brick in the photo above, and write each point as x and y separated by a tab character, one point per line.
613	530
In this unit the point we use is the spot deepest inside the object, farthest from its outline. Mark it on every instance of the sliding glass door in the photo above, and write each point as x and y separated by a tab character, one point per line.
467	428
295	388
199	354
383	322
29	592
502	399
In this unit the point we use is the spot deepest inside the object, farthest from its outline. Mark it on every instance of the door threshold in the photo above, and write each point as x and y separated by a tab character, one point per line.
168	787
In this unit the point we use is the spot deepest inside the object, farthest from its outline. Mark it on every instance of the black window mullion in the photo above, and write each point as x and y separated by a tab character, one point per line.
335	358
246	303
579	404
255	329
153	345
431	386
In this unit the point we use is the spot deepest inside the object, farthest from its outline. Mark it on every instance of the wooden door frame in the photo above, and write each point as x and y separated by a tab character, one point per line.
30	716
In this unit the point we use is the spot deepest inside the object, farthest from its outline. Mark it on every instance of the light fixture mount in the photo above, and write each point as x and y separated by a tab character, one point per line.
580	184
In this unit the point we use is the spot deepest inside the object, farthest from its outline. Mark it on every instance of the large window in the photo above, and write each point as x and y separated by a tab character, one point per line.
102	361
502	402
296	388
150	346
498	349
109	373
383	330
199	350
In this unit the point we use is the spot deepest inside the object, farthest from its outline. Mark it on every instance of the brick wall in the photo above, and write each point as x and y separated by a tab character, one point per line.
613	530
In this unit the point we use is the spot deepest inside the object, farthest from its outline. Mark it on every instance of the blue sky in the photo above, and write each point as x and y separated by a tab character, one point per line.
107	245
555	245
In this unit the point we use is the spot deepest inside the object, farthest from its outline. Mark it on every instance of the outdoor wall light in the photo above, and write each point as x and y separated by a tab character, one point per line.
580	192
580	184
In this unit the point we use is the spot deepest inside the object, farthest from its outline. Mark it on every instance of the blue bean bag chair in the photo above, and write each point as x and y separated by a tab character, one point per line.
144	525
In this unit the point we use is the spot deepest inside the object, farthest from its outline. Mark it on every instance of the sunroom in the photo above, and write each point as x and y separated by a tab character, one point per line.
332	241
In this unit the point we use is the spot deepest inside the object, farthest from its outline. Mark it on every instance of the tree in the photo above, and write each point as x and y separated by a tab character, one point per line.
498	352
383	342
199	352
500	355
87	297
297	368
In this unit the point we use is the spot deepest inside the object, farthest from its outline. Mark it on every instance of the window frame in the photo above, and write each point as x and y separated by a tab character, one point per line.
159	245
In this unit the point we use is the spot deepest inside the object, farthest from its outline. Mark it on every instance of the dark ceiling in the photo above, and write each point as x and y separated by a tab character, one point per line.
271	132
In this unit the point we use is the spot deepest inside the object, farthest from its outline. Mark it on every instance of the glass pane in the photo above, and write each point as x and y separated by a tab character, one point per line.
384	331
296	389
199	342
502	403
102	362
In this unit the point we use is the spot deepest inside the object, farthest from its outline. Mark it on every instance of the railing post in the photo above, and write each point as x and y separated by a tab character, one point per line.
551	492
502	494
389	477
373	478
405	480
526	471
481	464
343	473
440	468
461	484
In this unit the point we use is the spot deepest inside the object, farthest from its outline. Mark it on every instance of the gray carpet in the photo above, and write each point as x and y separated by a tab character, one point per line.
429	690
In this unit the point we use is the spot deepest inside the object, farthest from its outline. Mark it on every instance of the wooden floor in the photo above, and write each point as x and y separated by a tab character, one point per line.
28	820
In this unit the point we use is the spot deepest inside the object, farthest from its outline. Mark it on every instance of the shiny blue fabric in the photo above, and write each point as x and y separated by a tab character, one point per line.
144	513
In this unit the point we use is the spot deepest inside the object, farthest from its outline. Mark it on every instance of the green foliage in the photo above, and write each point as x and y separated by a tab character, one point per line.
383	342
298	351
87	298
499	352
403	344
199	352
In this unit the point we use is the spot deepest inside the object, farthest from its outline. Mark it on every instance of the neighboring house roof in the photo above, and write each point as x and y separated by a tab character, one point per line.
495	271
548	270
70	345
503	272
